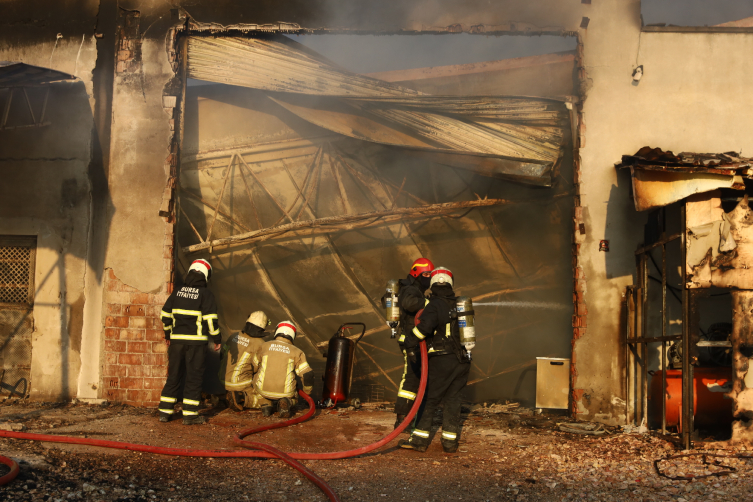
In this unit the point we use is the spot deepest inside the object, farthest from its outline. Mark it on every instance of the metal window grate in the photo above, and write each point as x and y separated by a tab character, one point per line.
17	270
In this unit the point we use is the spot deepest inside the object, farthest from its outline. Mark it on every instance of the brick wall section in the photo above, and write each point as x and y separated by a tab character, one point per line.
135	353
580	310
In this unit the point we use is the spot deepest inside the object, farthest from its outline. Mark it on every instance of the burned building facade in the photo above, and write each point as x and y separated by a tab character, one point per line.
309	185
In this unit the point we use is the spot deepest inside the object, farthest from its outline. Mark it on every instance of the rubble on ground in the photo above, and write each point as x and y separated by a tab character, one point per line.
507	452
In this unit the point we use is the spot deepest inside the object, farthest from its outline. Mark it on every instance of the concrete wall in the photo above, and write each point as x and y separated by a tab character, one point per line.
45	191
693	96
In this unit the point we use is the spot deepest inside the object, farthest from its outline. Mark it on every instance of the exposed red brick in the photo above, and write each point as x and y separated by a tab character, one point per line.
112	383
155	335
116	370
159	347
154	395
115	346
581	309
112	333
140	298
130	310
153	323
137	396
112	286
116	395
132	359
154	383
111	358
114	308
159	371
138	347
116	322
139	371
132	334
137	322
131	383
155	359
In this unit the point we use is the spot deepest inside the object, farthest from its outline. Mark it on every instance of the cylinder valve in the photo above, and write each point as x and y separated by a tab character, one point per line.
391	306
466	323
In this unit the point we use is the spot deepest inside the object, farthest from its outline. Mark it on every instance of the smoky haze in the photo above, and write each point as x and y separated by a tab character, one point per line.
372	53
695	12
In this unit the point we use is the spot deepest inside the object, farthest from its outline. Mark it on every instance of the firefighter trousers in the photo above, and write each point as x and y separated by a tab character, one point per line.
185	367
406	393
447	379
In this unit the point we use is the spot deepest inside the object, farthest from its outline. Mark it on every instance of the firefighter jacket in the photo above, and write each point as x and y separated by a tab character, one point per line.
279	363
239	359
435	324
190	313
410	299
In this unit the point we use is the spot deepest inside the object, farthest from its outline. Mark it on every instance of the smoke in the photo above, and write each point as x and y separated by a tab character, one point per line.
526	305
371	53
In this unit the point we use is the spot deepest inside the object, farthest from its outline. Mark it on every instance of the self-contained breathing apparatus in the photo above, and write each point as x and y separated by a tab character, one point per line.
391	306
462	330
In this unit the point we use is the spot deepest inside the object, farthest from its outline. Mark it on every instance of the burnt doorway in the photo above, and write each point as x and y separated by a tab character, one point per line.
17	257
309	185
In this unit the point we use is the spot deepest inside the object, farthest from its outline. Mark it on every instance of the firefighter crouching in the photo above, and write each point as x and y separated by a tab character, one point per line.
280	366
410	300
240	362
190	320
449	364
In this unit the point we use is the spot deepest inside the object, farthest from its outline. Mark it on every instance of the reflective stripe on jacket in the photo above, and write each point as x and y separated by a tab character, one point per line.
190	313
240	361
280	363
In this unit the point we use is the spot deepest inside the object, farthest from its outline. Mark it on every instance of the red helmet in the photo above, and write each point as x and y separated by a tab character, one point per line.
420	266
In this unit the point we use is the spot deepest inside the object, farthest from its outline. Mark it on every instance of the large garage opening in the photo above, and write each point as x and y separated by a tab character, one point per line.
315	168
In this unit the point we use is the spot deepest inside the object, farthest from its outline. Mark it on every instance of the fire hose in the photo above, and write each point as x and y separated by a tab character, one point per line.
262	450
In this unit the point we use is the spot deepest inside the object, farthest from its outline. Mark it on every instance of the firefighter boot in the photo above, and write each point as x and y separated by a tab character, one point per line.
165	417
236	400
284	407
267	410
450	446
408	444
194	420
399	421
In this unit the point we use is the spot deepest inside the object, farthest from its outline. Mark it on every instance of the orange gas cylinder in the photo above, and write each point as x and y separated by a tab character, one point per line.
710	407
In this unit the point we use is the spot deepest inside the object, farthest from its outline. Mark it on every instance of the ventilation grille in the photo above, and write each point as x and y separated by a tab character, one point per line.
17	270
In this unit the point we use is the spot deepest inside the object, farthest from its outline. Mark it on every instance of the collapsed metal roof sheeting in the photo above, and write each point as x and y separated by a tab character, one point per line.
522	129
16	74
715	163
661	178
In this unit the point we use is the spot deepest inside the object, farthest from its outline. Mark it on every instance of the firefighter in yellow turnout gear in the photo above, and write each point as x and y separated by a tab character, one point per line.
240	362
281	365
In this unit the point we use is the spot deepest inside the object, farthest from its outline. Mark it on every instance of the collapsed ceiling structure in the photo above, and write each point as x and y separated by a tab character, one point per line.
309	186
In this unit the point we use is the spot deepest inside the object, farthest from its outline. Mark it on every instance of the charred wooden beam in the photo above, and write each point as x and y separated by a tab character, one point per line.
348	222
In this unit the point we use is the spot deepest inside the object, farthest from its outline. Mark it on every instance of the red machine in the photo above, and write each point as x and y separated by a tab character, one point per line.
341	356
710	406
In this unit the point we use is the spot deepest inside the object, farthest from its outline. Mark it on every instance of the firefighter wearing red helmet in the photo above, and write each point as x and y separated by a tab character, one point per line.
410	300
190	320
449	363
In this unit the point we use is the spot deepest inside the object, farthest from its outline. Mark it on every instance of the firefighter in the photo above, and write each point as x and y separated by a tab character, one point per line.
239	362
411	300
190	320
281	366
449	363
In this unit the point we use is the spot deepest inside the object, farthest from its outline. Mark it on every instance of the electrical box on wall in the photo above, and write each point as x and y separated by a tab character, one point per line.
552	383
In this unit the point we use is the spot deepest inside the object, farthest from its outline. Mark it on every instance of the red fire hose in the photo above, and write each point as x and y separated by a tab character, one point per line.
266	450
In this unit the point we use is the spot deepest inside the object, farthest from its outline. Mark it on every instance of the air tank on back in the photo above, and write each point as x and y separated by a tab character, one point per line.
466	323
391	307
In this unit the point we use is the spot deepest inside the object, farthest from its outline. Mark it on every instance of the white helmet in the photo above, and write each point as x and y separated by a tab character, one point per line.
259	319
441	275
202	266
286	328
